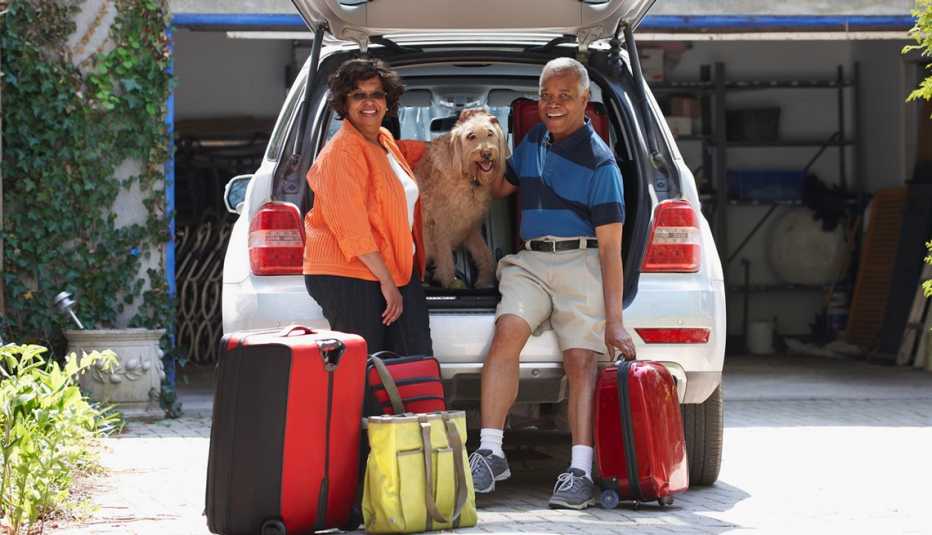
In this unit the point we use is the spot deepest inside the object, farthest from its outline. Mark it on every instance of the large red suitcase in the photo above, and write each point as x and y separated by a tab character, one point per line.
285	434
524	116
639	430
417	379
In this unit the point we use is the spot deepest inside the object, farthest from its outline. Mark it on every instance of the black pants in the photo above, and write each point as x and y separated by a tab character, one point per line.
355	306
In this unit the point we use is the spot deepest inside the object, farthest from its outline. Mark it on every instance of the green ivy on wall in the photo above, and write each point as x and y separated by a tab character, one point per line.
64	134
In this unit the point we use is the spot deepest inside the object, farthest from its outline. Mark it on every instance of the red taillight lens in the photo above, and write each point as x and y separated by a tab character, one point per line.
673	336
276	240
674	239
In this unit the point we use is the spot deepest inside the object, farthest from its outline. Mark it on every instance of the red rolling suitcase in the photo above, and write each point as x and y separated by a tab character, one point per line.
285	435
639	430
417	379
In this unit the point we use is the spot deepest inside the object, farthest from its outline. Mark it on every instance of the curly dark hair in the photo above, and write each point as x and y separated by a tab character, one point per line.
343	82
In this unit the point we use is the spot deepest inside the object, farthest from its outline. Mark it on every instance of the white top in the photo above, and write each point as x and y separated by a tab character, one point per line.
408	183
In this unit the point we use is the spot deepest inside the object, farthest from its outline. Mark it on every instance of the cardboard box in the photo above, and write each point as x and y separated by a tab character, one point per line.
652	63
680	126
685	106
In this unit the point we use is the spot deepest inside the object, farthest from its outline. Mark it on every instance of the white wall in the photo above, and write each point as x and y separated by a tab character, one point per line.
221	77
887	158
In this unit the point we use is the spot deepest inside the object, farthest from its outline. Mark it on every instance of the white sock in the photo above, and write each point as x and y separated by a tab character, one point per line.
582	459
491	439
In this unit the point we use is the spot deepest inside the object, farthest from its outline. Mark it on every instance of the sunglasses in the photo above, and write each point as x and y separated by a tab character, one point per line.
359	96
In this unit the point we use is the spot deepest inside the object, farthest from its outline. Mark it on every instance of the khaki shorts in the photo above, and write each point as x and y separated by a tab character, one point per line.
564	287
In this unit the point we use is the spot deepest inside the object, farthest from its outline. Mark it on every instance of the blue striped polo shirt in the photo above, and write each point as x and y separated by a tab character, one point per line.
567	188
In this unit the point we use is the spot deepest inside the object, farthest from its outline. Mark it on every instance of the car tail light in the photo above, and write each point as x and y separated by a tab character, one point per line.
276	240
674	239
673	336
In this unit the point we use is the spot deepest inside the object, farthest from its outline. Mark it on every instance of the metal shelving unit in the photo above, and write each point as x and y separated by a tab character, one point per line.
712	89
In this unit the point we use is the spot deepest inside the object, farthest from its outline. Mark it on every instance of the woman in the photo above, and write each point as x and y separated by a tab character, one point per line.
363	258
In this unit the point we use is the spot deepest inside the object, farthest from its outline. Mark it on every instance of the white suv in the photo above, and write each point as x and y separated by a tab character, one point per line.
450	57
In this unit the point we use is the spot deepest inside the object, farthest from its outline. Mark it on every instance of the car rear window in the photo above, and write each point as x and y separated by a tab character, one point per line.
426	113
277	141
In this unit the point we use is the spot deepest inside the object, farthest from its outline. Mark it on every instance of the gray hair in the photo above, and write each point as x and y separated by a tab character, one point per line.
560	66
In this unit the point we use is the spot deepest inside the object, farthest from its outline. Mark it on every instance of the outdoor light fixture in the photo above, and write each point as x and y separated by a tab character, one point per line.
64	303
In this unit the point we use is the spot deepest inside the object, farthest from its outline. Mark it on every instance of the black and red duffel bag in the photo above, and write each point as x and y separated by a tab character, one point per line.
417	379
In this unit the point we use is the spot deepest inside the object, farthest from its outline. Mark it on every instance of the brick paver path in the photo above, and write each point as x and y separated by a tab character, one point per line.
851	463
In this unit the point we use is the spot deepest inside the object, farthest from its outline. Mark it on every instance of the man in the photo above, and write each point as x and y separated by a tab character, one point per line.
570	272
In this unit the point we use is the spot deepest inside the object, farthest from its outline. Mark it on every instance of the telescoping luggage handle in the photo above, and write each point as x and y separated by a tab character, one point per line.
331	350
627	429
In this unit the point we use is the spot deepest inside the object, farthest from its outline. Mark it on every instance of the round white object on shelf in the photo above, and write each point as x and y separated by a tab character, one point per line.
802	253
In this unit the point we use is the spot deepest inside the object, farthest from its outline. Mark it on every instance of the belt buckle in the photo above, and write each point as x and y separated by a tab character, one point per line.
542	246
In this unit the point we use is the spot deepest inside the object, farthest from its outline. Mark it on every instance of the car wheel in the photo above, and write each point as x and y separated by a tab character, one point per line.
703	425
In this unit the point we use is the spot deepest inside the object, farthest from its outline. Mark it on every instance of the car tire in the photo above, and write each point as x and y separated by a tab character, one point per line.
703	426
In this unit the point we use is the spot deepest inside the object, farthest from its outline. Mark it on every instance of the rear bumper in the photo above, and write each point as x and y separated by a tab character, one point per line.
545	382
461	339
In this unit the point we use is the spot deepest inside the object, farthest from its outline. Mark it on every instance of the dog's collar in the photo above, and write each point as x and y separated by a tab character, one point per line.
474	180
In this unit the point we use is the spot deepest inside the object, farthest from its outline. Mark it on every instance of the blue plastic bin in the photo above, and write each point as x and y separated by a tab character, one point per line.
765	185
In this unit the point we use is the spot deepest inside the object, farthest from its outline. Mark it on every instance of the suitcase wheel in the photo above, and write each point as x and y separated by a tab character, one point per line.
273	527
665	501
609	499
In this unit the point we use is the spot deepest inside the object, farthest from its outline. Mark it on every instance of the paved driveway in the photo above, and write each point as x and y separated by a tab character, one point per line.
811	446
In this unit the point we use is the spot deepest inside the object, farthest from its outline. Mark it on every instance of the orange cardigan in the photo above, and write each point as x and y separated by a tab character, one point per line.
360	207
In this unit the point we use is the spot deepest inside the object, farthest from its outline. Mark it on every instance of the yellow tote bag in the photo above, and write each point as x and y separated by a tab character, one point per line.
416	475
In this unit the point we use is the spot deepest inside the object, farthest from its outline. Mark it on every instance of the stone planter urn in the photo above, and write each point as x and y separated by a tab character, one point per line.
138	372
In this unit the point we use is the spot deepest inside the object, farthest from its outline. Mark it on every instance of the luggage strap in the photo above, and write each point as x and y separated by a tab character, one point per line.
388	382
459	471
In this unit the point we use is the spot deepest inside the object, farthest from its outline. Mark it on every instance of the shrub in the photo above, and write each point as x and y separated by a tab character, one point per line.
927	285
921	33
48	432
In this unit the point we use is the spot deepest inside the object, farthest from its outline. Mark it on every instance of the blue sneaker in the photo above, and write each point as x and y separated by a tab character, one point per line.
486	470
573	490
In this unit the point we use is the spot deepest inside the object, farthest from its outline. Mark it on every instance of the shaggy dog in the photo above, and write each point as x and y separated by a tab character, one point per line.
455	178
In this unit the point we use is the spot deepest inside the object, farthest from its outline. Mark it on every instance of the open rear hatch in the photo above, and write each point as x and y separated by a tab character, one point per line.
389	21
360	20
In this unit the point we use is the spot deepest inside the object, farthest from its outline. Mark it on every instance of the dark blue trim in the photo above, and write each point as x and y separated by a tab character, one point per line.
168	360
239	21
170	169
698	23
781	22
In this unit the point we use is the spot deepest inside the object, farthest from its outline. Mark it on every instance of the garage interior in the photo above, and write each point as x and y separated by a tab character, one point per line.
796	146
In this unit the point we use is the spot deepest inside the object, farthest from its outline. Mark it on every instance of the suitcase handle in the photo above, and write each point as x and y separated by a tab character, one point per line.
331	350
292	329
388	382
385	355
